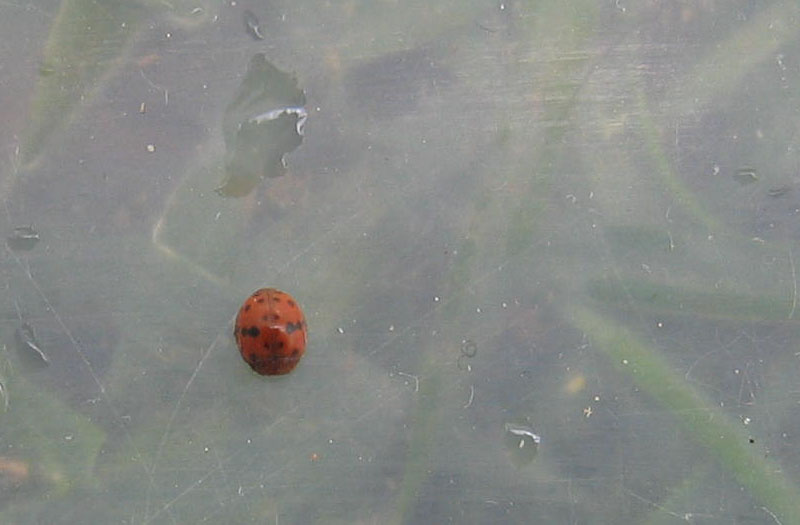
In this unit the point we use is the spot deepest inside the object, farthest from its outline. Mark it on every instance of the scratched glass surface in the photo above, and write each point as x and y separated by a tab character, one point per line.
547	252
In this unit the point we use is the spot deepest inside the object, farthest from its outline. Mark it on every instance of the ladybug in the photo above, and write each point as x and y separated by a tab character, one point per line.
270	332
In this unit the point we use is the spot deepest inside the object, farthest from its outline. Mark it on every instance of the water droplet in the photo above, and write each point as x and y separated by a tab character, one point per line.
745	176
29	345
252	26
521	442
23	238
469	348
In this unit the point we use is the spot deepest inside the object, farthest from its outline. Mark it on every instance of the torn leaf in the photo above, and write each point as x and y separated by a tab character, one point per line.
262	124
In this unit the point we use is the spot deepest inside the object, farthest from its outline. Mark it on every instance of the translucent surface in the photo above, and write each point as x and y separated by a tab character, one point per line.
547	252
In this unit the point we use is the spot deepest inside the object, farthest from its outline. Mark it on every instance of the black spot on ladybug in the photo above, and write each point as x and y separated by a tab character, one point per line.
279	344
290	303
246	307
291	327
276	299
295	352
253	331
260	300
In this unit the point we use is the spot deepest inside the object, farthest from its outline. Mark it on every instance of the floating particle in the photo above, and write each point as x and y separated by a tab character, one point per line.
23	238
745	176
151	148
252	26
779	191
469	348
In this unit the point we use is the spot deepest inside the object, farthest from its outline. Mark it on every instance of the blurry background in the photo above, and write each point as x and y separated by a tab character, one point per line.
570	220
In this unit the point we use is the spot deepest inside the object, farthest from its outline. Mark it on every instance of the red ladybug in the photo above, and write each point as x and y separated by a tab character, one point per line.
271	332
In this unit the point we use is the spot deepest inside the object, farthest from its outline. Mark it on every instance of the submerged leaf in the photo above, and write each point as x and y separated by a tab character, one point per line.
86	41
263	123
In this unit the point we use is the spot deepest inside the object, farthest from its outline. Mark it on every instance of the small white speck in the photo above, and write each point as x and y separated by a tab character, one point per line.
391	328
340	330
151	148
68	437
504	305
436	299
624	361
478	309
205	450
